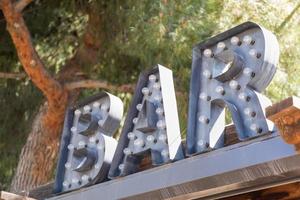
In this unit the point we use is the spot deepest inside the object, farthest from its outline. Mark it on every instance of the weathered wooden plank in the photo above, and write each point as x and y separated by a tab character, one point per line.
10	196
286	116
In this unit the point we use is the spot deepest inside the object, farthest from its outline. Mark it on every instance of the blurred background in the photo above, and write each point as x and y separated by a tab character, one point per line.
134	35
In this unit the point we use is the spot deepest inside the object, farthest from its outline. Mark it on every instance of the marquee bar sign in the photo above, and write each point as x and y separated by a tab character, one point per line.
229	70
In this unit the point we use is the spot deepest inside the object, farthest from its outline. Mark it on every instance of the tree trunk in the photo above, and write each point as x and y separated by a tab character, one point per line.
38	156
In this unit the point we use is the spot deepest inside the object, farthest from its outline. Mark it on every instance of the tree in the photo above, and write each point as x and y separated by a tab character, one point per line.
74	42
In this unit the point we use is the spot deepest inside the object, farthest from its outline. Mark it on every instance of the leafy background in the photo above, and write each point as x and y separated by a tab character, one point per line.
138	34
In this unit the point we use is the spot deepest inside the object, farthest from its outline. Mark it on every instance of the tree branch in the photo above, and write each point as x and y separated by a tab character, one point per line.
29	58
21	4
287	19
7	75
98	84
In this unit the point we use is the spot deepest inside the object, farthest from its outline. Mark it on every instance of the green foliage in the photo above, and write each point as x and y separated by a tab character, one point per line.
138	35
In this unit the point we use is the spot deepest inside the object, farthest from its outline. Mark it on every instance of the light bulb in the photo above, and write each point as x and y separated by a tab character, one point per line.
233	84
253	53
131	135
157	97
127	151
68	165
164	153
92	140
220	90
139	142
247	111
162	137
139	107
81	144
97	166
135	120
85	178
77	112
204	96
156	86
159	111
73	129
150	138
254	127
247	39
152	78
203	119
65	183
145	91
96	104
207	74
74	180
104	107
221	45
200	143
87	108
70	146
207	53
235	40
161	124
121	167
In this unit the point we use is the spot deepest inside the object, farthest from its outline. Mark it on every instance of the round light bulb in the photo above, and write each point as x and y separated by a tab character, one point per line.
235	40
68	165
233	84
200	143
244	97
156	86
164	153
207	74
247	111
81	144
253	53
127	151
70	146
65	183
254	127
121	167
104	107
77	112
150	138
138	142
161	124
85	178
221	45
157	98
159	111
131	135
139	107
162	137
207	53
145	91
92	140
87	108
74	180
247	39
97	166
73	129
152	78
203	119
220	90
135	120
96	104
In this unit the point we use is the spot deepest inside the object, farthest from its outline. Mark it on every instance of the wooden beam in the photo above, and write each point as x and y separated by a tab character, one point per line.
286	116
11	196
